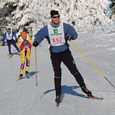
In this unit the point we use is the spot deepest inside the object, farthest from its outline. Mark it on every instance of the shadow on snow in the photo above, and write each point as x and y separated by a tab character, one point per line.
67	90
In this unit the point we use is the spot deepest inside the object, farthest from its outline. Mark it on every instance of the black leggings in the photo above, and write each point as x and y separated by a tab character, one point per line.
9	42
68	60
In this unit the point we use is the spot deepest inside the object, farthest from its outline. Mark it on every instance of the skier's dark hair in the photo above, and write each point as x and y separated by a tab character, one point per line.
53	12
8	29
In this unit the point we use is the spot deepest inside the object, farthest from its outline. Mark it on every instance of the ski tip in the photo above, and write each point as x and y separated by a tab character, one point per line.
95	97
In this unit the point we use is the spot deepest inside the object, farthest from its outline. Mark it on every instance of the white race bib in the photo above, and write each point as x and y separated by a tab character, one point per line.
56	35
9	36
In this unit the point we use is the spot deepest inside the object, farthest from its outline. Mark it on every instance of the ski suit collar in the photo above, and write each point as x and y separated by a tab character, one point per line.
55	25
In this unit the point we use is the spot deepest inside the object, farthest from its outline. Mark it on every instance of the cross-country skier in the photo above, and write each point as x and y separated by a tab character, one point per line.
9	37
57	34
24	44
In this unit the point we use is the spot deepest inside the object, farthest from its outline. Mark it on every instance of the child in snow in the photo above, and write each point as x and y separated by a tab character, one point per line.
24	44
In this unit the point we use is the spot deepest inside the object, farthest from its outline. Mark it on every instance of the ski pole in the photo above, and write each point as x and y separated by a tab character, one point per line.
99	71
36	66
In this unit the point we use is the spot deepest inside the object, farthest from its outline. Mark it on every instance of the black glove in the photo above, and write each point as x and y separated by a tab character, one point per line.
68	37
35	44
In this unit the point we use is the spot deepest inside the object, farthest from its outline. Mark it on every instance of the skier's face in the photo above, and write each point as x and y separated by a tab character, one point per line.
9	32
55	19
24	35
24	38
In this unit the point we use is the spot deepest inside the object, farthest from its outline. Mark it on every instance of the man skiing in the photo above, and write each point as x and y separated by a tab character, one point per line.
24	44
9	37
57	34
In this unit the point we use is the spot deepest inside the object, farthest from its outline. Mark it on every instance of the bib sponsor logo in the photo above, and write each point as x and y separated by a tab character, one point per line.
56	35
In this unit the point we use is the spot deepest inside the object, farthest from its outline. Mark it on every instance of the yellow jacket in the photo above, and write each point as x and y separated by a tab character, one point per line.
21	43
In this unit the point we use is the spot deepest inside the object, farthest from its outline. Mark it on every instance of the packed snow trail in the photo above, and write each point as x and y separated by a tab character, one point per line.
25	98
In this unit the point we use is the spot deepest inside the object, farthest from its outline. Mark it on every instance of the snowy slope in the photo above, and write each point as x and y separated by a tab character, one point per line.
25	98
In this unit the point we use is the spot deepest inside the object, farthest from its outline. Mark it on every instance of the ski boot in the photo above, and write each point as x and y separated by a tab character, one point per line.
20	76
10	55
58	100
3	44
27	74
87	91
18	53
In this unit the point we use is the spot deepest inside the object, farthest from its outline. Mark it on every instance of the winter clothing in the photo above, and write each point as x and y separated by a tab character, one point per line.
43	33
68	60
57	36
35	44
25	53
9	38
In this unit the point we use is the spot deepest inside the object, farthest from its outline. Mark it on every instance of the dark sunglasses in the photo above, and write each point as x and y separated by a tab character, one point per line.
55	16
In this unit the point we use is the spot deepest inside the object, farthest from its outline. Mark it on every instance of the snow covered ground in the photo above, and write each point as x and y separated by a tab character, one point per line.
25	98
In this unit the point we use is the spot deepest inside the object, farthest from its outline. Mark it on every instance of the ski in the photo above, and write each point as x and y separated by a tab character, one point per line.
10	55
20	78
27	76
95	97
58	101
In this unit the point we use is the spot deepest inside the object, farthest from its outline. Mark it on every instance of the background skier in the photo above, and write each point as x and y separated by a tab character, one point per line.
9	37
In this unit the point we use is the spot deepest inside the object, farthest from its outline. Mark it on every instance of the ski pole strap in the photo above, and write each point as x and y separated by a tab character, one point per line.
99	71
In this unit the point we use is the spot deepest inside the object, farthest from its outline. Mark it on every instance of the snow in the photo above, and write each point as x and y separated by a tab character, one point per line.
25	98
85	13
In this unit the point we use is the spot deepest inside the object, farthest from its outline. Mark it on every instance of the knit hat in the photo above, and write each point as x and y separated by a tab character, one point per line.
9	29
53	12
